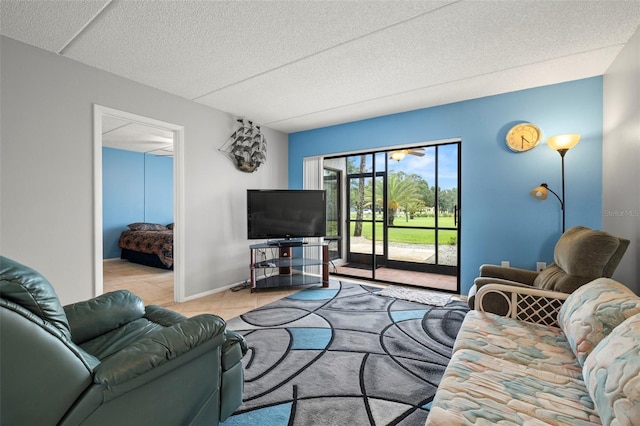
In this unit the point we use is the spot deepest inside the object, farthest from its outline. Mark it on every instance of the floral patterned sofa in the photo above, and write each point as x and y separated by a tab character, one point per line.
583	370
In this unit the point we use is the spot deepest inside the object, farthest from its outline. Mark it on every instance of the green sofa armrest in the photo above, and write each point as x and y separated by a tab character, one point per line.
163	316
94	317
159	348
233	349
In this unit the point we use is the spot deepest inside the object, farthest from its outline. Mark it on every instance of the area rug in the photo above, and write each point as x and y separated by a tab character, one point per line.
343	355
427	297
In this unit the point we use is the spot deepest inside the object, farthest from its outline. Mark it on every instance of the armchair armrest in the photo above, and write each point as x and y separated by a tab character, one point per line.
159	348
93	317
233	349
163	316
481	281
524	276
525	303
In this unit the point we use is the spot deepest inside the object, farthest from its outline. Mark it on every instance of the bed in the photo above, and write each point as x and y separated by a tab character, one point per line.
149	244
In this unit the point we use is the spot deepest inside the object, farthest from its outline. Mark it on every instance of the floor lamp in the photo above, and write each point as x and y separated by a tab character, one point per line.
562	144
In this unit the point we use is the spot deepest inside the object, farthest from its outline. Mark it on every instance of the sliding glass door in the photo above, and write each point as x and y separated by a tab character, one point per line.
403	211
423	224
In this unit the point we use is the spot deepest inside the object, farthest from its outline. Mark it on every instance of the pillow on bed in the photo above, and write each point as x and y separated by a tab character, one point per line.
141	226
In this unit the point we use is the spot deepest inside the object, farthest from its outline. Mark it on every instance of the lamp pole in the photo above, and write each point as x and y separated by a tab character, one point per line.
562	152
562	144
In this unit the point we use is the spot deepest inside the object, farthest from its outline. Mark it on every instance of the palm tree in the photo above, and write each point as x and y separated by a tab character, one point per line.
402	191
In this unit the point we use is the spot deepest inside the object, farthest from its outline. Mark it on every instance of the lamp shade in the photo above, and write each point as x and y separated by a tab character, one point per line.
565	142
539	193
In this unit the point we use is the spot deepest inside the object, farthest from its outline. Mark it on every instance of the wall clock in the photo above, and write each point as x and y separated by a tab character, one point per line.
523	137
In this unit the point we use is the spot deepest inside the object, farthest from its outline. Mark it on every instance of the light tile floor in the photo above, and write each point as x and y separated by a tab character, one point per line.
155	287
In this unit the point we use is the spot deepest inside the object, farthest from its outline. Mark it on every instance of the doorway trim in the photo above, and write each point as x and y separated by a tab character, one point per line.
100	112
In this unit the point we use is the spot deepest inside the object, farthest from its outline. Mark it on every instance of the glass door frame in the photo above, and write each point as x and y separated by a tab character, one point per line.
365	258
435	267
382	258
334	239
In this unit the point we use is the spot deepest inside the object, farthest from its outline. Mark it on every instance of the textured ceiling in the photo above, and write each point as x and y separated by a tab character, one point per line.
297	65
124	134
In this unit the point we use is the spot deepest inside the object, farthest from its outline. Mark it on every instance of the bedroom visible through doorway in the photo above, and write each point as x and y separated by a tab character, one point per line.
138	176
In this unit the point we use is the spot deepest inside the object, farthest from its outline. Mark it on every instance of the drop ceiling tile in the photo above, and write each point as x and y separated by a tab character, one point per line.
444	46
49	25
304	63
217	44
123	134
519	78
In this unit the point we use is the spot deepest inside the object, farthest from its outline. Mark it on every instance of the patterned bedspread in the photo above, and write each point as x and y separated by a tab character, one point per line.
159	243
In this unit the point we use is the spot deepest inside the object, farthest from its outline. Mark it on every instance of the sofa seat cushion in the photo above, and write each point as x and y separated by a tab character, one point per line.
534	345
481	389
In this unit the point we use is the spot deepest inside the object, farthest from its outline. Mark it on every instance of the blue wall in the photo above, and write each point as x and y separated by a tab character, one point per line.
135	188
499	219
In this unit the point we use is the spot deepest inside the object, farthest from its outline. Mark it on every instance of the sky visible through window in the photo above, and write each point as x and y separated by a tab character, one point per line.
424	166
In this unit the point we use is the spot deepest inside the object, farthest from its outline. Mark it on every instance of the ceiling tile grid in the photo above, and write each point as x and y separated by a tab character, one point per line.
296	65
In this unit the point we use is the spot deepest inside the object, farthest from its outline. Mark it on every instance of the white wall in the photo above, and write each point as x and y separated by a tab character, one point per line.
621	157
46	171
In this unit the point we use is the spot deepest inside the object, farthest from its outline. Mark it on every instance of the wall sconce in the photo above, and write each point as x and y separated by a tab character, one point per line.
562	144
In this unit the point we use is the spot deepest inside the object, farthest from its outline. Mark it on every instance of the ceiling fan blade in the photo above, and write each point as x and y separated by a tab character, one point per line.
416	153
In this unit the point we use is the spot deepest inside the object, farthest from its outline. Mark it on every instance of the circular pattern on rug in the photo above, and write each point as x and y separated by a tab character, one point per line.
343	355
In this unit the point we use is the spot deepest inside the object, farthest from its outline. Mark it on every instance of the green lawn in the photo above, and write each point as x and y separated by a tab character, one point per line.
413	236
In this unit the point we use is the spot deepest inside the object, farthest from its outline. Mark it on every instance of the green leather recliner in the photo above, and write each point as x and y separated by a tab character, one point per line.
110	360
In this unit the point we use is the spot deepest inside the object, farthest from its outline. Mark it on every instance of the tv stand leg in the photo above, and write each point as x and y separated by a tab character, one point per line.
325	265
285	252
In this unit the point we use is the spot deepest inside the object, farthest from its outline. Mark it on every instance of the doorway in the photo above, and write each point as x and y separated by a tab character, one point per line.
403	215
111	119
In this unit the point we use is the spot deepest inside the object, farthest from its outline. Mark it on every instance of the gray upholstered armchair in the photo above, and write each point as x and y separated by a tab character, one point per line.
580	256
110	360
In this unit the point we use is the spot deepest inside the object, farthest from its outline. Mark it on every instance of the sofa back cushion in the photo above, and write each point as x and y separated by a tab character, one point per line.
27	288
554	278
581	255
591	312
612	374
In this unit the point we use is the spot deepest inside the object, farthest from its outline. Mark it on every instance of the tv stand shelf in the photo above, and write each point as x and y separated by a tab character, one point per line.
288	266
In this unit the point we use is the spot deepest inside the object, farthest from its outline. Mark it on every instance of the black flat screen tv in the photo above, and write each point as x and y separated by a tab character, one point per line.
286	213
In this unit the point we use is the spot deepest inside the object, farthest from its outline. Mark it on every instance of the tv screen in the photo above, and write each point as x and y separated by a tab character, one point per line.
282	213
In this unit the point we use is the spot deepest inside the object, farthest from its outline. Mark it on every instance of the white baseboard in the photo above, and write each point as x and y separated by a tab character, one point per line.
214	291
